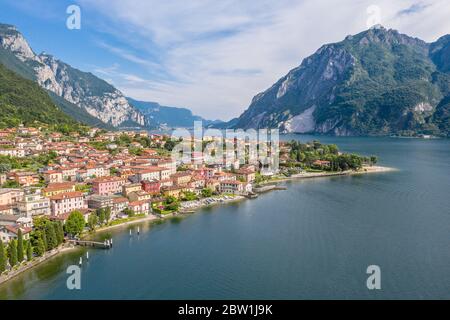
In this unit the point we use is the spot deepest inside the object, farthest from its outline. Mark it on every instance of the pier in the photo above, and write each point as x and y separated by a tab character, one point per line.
267	188
94	244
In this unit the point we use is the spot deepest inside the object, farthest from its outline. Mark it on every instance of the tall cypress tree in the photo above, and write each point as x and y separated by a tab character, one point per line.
40	247
2	257
12	253
29	251
50	236
61	230
59	237
19	246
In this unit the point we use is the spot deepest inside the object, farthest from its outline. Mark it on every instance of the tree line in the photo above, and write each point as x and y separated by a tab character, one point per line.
15	252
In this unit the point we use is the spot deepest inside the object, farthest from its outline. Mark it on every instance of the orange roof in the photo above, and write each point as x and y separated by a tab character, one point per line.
151	169
138	203
51	172
108	179
67	195
59	186
15	230
231	182
119	200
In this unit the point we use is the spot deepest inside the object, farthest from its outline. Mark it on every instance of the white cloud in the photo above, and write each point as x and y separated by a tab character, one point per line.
219	54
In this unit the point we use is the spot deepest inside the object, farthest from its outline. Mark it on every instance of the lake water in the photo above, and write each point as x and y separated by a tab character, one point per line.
313	240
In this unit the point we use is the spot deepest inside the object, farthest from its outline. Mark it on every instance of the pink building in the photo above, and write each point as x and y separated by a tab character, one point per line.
67	202
108	185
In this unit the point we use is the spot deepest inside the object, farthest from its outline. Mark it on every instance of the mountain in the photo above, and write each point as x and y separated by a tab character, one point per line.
377	82
24	101
158	116
96	98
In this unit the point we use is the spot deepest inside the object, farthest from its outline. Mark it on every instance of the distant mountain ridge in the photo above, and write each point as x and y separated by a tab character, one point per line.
94	96
84	96
158	116
377	82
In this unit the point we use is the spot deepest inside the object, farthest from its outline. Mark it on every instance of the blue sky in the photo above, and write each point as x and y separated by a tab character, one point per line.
211	56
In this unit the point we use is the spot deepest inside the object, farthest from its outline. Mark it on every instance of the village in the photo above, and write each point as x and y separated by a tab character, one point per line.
57	186
107	177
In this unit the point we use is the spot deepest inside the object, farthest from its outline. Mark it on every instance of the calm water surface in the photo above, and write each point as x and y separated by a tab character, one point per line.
313	240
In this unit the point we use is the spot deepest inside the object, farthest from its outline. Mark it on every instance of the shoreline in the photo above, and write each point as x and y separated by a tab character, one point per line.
323	174
191	208
149	217
26	266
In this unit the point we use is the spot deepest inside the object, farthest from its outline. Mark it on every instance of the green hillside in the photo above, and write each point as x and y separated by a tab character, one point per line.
23	101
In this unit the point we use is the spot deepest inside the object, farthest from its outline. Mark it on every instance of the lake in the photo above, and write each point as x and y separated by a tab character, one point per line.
314	240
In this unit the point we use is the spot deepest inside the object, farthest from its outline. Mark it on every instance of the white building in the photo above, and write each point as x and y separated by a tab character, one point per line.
67	202
34	205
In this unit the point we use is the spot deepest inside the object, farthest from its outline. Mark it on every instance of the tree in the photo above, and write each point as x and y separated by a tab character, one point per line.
59	232
373	160
29	251
129	212
5	167
11	184
101	215
107	214
206	193
59	237
189	196
2	257
12	253
75	223
20	256
92	221
50	235
169	145
332	148
40	246
172	203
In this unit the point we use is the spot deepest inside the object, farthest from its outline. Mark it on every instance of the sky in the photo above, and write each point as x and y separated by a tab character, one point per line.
210	56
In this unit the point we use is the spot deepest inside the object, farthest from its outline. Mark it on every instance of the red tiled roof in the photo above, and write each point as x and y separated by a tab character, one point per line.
15	230
67	195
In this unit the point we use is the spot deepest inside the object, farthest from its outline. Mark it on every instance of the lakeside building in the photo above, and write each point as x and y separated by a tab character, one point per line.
8	233
9	196
108	185
67	202
25	178
181	178
246	175
129	188
152	173
173	191
34	205
6	210
8	220
151	186
139	196
140	207
57	188
234	187
117	204
53	176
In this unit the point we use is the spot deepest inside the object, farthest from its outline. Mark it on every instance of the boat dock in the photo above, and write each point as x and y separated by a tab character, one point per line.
107	244
268	188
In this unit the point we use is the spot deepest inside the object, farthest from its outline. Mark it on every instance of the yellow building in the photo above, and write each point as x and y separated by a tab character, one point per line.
54	189
172	191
